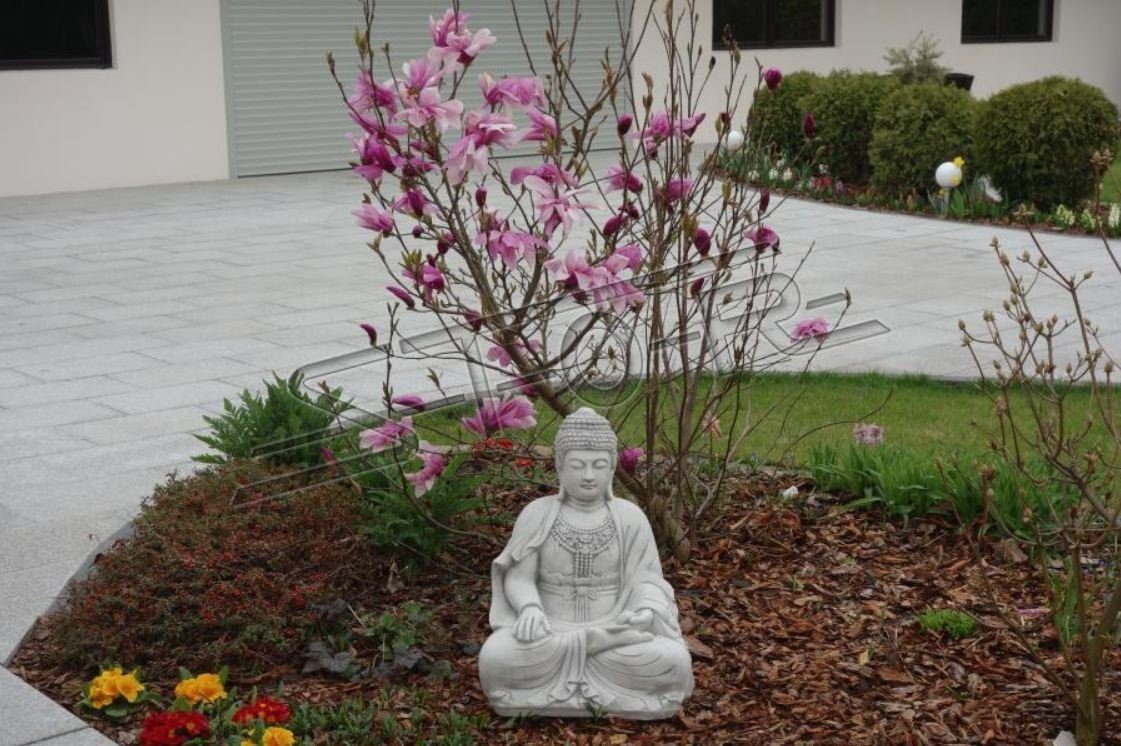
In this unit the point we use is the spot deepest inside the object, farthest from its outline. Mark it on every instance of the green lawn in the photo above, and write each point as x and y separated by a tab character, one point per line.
1111	184
923	416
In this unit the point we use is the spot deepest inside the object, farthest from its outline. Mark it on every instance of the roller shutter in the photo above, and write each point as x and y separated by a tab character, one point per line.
285	113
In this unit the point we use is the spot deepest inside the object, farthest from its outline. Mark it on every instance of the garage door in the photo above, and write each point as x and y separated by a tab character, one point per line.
285	114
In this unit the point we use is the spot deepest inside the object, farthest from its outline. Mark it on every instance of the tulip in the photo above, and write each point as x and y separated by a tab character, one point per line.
772	76
809	126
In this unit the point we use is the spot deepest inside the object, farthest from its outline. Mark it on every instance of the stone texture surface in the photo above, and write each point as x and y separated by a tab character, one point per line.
124	312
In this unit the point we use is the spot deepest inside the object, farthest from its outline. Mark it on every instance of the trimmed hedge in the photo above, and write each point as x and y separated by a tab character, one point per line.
918	127
1035	139
777	115
845	105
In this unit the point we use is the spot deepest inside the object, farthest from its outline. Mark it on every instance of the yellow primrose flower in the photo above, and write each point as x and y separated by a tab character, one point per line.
188	689
100	698
277	737
959	161
129	686
248	742
210	687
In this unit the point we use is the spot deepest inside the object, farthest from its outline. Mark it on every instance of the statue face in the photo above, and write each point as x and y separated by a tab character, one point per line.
586	474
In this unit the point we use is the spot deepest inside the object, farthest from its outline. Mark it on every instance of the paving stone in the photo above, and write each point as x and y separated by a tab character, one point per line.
58	391
63	370
138	427
9	378
27	716
84	737
166	397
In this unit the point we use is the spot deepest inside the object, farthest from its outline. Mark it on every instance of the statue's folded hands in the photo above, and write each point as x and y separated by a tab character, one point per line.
582	617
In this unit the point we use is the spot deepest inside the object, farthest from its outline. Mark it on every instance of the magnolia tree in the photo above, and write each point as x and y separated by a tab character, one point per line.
1052	380
648	285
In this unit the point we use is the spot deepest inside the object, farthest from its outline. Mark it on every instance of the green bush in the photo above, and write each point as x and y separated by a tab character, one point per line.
285	427
918	127
844	105
1035	139
776	116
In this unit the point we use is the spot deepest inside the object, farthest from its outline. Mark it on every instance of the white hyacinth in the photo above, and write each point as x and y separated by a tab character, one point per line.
788	175
1114	219
773	174
1063	216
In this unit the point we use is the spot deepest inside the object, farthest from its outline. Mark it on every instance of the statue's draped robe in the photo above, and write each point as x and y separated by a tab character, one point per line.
555	675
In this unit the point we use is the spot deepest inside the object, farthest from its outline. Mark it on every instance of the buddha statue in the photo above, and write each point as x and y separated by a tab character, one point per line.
583	621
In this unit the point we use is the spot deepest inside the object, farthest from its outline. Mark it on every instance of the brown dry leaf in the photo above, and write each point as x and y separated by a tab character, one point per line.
893	675
698	648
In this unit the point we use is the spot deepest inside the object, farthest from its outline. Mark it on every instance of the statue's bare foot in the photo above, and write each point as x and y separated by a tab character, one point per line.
600	639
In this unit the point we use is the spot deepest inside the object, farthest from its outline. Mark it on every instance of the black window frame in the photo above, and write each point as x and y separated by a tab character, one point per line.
102	59
1002	37
769	42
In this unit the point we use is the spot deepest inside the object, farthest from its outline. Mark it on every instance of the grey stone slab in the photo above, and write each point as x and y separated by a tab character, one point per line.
26	716
56	413
138	427
168	374
84	737
167	397
9	378
64	370
58	391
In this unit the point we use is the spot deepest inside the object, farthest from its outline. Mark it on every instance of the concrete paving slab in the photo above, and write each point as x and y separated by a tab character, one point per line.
28	717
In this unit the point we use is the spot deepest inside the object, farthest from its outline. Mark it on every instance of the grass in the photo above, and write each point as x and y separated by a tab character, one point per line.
923	416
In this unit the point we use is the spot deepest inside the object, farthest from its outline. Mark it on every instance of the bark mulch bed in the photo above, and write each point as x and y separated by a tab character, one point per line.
803	623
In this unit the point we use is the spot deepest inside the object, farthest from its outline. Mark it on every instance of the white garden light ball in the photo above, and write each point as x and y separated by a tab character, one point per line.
948	175
734	141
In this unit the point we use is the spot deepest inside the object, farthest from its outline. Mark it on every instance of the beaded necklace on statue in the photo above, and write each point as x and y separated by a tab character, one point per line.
585	544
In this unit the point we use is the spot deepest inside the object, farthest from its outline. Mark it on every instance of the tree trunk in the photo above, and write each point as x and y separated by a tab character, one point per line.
1088	726
669	531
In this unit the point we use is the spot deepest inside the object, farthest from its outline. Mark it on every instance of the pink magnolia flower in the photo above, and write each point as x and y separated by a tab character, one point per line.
763	238
512	91
550	173
688	125
632	253
614	224
772	76
415	204
809	328
573	271
371	332
869	434
677	189
629	458
402	295
471	152
451	23
374	158
368	94
428	107
511	245
557	207
541	126
433	465
389	435
378	126
500	355
508	413
432	280
374	219
619	179
412	401
473	318
419	75
658	130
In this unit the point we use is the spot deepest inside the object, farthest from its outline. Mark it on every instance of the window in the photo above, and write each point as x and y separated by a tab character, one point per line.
773	23
54	33
1006	20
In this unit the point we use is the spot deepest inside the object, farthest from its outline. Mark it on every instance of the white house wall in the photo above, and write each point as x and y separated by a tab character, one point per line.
1084	45
159	115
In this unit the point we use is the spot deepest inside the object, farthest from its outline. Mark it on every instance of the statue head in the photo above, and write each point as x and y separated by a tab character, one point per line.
585	450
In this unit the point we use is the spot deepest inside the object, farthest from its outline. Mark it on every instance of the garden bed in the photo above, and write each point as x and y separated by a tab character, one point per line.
803	619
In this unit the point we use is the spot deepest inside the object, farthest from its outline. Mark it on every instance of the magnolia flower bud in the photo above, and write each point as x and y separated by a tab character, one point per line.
623	125
481	197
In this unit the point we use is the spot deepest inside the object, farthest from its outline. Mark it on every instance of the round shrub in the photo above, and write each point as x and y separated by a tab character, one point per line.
776	116
1035	139
845	105
918	127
